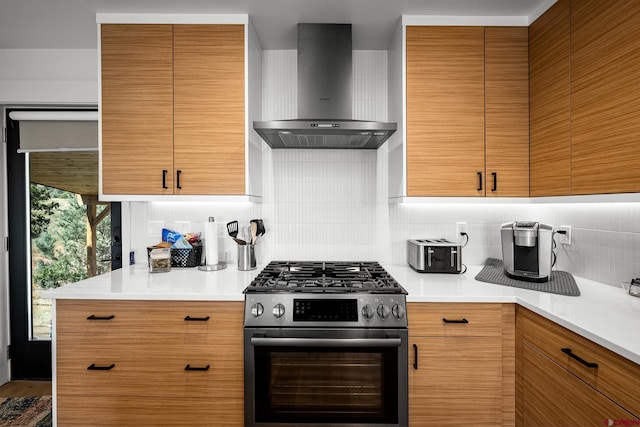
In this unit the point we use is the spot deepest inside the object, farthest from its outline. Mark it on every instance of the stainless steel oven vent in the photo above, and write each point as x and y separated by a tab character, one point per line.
325	97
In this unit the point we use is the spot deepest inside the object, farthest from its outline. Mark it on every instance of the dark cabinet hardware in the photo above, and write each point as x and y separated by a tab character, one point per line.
94	367
445	320
164	178
415	356
479	181
196	368
178	173
570	353
196	319
94	317
495	181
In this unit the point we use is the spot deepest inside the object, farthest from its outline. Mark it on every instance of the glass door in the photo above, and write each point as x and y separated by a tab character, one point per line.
58	233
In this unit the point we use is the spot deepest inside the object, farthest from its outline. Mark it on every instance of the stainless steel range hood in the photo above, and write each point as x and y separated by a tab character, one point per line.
325	97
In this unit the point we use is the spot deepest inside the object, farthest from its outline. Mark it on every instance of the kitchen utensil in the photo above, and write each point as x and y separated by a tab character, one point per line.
254	231
260	227
232	229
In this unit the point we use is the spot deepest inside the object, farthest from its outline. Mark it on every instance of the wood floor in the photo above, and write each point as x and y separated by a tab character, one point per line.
25	388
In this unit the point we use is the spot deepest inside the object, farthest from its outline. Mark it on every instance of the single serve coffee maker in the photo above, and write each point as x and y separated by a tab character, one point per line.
527	250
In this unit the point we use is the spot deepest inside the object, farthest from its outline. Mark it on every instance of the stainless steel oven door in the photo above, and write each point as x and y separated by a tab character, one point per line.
321	377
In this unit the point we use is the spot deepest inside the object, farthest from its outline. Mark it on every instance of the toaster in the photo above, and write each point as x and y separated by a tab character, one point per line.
434	255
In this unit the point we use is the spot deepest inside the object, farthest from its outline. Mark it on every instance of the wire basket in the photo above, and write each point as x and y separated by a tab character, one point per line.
184	257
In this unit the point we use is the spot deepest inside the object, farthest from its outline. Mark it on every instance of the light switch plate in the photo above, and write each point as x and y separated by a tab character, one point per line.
154	228
182	227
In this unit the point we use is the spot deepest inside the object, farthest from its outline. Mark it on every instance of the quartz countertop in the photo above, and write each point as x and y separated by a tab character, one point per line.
604	314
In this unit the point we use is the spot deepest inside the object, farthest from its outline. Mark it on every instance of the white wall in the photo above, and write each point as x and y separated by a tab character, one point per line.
49	76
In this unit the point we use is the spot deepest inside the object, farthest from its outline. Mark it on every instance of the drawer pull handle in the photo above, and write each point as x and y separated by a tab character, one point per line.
94	317
415	357
570	353
93	367
196	368
196	319
445	320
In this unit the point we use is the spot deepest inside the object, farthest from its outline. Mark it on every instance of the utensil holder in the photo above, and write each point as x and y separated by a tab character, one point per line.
246	257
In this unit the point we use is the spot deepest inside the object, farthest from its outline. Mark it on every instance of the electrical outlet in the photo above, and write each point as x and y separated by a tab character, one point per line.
461	227
564	234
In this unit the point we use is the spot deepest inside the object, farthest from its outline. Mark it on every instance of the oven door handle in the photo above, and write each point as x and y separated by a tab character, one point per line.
326	342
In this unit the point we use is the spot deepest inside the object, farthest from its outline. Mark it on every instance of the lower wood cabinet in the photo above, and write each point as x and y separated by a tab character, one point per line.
461	364
158	363
555	397
568	380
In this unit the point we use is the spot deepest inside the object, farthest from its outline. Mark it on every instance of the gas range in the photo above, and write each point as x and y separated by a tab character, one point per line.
325	294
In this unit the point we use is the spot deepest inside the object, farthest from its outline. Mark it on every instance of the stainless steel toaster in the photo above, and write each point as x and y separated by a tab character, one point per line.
434	256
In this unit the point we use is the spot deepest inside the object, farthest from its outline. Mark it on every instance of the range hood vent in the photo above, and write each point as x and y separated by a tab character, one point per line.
325	97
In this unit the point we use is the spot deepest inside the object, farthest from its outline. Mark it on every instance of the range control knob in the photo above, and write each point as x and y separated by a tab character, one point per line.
384	311
368	312
257	309
398	311
278	310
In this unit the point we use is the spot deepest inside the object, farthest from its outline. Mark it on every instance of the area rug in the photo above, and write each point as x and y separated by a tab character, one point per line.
25	411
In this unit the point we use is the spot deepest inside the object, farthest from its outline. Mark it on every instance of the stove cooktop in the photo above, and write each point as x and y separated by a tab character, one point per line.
324	277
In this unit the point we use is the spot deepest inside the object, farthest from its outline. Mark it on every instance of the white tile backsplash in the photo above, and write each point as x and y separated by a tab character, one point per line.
332	204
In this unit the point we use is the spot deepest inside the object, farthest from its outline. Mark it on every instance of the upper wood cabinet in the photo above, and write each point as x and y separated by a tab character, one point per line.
550	102
137	109
506	111
585	99
605	96
209	140
467	111
173	109
445	110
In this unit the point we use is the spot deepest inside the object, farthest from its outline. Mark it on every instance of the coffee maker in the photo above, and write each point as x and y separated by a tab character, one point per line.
527	250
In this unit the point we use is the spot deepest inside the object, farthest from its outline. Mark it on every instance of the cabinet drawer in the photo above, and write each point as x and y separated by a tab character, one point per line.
555	397
457	319
119	411
150	366
614	375
91	316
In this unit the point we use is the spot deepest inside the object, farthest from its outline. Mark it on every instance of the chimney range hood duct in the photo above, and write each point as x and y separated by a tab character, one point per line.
325	94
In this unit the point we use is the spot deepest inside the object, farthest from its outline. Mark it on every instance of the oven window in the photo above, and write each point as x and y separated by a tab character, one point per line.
326	385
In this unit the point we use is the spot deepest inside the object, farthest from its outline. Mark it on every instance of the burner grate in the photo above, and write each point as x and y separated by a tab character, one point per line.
324	277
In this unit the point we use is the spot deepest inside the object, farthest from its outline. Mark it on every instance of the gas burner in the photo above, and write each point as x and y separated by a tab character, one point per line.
324	281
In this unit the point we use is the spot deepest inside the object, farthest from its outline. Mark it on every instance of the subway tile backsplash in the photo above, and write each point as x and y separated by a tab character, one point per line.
332	204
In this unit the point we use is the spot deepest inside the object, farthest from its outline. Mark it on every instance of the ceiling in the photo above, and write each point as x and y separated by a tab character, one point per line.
74	171
70	24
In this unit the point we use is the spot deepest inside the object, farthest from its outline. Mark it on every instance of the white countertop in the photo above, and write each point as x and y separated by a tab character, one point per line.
602	313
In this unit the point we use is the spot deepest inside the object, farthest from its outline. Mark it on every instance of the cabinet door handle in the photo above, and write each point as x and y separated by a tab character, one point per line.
196	368
415	357
178	173
479	181
94	317
495	181
94	367
196	319
164	178
445	320
570	353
